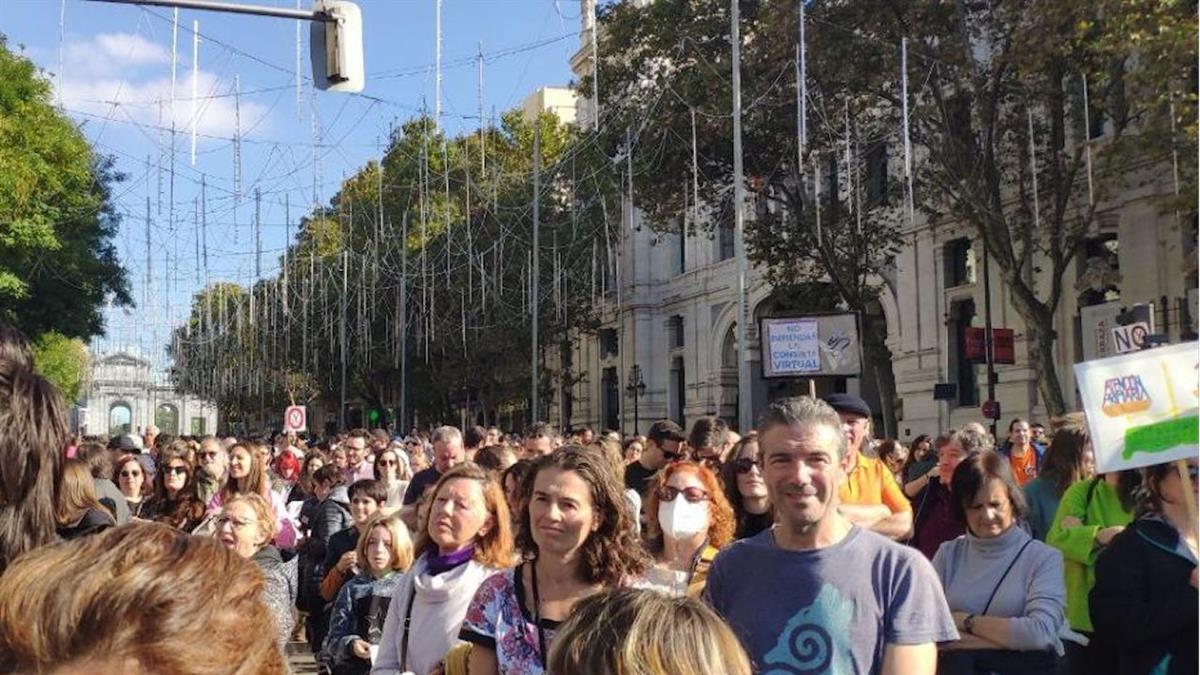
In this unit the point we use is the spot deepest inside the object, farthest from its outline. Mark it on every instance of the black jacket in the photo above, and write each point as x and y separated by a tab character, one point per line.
1143	604
331	517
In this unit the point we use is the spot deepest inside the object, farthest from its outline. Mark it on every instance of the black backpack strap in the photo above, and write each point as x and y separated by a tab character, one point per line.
1005	576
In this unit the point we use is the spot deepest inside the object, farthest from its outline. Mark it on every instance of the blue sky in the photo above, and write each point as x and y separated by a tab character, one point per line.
116	66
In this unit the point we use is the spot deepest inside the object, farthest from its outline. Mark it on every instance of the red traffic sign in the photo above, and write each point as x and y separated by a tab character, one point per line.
295	418
991	410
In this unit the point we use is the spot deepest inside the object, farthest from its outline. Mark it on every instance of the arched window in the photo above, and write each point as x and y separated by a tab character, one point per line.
120	418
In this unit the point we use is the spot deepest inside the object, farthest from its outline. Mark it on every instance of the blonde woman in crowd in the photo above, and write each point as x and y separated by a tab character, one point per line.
466	538
385	552
246	526
629	631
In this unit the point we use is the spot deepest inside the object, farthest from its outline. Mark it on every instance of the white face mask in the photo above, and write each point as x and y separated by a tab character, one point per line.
680	519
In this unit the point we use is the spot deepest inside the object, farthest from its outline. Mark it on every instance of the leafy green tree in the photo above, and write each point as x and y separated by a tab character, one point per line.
58	265
445	236
63	361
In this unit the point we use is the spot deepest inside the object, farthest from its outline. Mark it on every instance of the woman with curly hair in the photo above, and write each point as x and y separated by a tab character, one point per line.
576	531
175	501
689	521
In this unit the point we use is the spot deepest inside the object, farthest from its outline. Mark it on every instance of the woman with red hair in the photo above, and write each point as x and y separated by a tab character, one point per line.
689	520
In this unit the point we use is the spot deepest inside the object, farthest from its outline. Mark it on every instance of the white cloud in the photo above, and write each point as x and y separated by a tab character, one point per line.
135	74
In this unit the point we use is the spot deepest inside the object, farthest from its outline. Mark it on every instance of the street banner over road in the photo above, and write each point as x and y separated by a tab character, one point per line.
1142	408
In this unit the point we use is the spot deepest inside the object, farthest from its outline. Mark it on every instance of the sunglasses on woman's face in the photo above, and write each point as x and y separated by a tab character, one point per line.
694	495
744	464
177	470
388	462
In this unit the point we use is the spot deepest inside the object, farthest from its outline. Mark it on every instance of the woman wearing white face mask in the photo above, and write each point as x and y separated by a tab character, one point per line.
694	521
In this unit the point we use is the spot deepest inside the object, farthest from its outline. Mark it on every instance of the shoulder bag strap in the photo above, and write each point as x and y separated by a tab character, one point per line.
1004	576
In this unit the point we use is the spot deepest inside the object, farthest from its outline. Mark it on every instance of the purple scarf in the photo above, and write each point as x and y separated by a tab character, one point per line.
444	563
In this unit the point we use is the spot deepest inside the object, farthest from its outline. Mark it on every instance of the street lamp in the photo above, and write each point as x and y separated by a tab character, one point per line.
636	388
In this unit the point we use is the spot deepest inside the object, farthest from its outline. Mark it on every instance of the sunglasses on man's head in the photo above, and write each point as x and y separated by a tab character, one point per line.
694	495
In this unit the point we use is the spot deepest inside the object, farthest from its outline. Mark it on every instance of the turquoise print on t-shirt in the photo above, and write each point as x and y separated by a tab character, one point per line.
813	641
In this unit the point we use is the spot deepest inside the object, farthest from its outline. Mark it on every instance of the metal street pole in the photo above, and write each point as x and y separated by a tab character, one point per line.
745	404
342	339
533	282
278	12
987	331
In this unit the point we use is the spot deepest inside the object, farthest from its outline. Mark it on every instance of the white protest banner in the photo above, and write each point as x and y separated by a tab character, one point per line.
816	345
795	347
295	418
1142	408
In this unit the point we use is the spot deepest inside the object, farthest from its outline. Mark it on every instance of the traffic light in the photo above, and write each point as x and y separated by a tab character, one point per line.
336	47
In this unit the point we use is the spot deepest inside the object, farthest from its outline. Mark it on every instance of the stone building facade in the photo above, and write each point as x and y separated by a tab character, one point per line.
671	310
123	395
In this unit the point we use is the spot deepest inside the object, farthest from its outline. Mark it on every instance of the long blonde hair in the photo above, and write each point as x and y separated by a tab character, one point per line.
629	631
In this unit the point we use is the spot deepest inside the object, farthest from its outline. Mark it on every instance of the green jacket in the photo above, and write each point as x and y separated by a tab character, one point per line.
1078	544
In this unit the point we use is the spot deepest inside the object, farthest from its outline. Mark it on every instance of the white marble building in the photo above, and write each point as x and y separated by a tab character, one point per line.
123	395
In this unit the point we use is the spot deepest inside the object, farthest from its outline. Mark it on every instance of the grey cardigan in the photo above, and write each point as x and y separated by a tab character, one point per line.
1032	594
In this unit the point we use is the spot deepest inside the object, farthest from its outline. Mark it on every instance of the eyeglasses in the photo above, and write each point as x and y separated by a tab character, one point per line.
672	456
388	462
694	495
237	523
1193	472
745	464
177	469
131	474
207	455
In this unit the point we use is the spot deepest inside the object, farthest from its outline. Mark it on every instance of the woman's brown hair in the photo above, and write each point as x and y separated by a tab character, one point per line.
974	472
493	549
612	553
1063	462
77	494
88	601
33	433
729	482
720	513
125	459
255	481
307	481
185	511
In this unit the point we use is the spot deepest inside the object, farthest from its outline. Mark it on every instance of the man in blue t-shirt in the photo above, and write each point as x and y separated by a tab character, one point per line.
815	593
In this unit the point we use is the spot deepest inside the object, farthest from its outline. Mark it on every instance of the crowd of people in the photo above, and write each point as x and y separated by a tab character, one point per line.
805	545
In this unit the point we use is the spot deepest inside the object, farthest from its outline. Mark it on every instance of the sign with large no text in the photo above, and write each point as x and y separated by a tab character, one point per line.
295	418
811	346
1142	408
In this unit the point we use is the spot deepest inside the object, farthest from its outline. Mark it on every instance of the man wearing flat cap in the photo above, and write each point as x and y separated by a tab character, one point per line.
870	497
